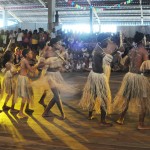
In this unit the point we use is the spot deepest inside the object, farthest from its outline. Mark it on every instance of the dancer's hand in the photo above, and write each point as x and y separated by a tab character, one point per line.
107	59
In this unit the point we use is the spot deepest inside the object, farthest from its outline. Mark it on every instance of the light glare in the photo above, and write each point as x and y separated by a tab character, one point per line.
85	28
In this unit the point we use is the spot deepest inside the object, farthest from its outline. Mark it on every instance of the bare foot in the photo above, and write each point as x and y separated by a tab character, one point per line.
50	114
142	127
120	121
22	115
91	117
63	117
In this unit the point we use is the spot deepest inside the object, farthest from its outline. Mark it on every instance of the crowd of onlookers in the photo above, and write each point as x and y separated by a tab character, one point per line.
78	47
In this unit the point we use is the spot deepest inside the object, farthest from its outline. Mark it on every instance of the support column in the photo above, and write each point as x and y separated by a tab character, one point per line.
5	19
51	14
142	22
91	19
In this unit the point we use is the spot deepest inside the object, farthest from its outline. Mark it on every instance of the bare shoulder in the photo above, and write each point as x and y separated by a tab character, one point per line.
143	50
24	61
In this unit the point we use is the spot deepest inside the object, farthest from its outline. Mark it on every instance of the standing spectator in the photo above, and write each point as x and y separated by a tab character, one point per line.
35	41
19	37
53	34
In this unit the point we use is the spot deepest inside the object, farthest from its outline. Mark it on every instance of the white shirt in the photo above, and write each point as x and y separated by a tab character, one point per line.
12	37
4	37
83	65
53	35
78	66
19	37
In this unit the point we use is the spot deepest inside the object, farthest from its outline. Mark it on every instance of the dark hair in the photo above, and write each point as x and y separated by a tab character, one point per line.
116	39
53	41
102	39
138	37
7	57
35	31
25	52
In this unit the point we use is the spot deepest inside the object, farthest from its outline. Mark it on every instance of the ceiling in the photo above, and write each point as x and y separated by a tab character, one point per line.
106	11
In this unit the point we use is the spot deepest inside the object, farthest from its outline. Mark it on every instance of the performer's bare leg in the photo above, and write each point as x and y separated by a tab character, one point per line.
60	107
141	125
5	107
13	110
41	101
90	117
103	118
21	113
49	106
56	99
122	115
13	103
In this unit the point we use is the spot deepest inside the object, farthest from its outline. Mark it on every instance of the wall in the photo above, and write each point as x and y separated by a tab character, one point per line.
29	26
33	26
129	31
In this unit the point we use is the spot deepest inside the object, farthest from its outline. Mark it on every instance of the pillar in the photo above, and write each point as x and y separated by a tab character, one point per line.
91	19
51	14
142	22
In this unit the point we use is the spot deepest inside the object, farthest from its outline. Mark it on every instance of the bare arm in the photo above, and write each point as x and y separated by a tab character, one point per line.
145	56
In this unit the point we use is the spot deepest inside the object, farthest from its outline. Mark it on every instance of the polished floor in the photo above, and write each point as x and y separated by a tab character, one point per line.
74	133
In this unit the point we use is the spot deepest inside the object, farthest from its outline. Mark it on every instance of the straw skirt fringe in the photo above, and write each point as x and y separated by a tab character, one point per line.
24	89
55	80
135	90
107	71
145	66
8	84
96	93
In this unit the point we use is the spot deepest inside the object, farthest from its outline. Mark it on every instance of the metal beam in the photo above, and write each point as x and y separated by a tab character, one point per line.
13	15
94	11
43	4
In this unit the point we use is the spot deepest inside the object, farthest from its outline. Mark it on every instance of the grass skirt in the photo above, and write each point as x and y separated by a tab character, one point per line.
8	84
96	93
107	71
24	89
135	89
145	65
55	80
